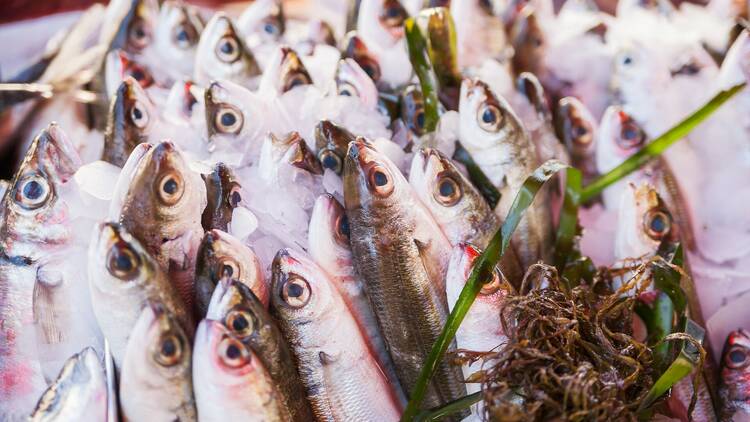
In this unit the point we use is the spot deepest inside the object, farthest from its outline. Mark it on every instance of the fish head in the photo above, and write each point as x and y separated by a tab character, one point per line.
529	42
329	231
643	222
290	149
264	18
134	26
119	66
637	68
531	88
442	188
242	313
332	141
222	54
619	137
382	21
231	112
735	371
131	117
485	119
177	34
158	348
284	72
576	127
320	32
371	180
353	81
127	265
224	194
356	49
165	199
412	109
460	266
224	358
33	209
222	256
301	292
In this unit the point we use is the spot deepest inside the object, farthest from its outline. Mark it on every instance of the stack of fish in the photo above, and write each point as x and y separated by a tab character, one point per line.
245	217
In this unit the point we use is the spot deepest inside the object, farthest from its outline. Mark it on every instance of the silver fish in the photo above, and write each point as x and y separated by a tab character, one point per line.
264	18
284	72
224	194
222	54
577	128
176	36
130	116
353	81
343	379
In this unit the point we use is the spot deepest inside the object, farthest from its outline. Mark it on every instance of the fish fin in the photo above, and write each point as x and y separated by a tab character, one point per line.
45	317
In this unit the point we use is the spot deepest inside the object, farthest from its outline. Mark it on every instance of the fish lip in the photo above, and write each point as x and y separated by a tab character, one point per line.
54	137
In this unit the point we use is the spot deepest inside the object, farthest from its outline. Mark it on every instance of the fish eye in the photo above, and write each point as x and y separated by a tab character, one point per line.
123	262
170	350
489	117
657	224
447	191
631	135
737	358
138	115
330	160
380	181
228	268
240	322
295	80
170	188
348	90
295	292
393	14
228	49
419	120
233	353
32	192
342	229
581	134
228	120
235	197
138	34
271	28
494	285
184	36
627	59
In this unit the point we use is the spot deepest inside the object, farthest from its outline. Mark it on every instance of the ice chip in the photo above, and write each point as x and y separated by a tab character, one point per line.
243	223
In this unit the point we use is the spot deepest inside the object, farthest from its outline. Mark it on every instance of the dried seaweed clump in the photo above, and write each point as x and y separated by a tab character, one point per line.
570	356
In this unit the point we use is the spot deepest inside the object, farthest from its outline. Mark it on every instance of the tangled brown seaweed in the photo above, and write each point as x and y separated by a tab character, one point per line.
571	354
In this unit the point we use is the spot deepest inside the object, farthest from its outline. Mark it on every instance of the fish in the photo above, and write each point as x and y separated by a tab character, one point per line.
289	149
156	374
176	37
120	66
222	54
329	235
529	43
412	109
457	206
223	256
245	316
356	49
79	392
130	113
577	129
400	252
643	223
381	21
332	141
319	32
734	384
163	209
479	33
264	18
224	194
499	144
481	329
284	72
353	81
123	278
341	375
230	382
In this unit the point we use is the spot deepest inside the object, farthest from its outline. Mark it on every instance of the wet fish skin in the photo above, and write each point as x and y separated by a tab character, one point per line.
163	209
156	375
356	49
284	72
457	206
352	80
387	225
246	317
222	54
342	377
224	194
734	383
123	277
230	381
498	142
332	142
130	112
264	18
78	393
176	36
644	221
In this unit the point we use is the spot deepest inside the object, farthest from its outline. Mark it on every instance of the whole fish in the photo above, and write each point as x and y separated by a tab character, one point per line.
576	128
123	277
230	381
223	256
163	209
329	235
400	252
156	374
131	115
176	37
734	384
353	81
498	142
79	393
246	317
224	194
457	206
222	54
284	72
332	141
343	379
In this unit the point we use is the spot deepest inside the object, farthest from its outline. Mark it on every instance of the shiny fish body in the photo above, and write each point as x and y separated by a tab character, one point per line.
393	257
343	379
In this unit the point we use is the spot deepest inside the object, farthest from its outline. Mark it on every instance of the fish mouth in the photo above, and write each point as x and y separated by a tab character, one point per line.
59	151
